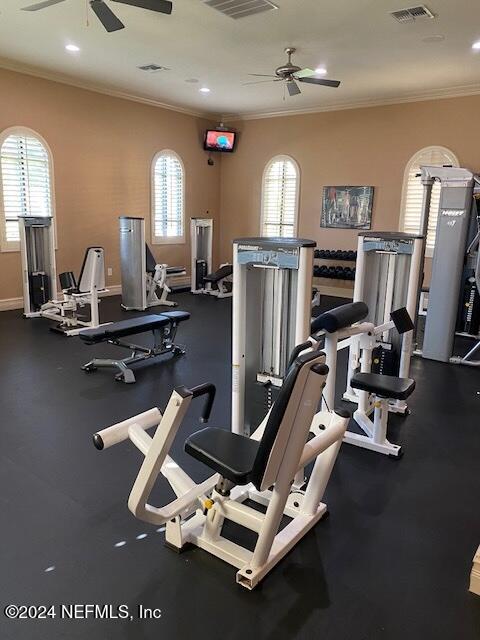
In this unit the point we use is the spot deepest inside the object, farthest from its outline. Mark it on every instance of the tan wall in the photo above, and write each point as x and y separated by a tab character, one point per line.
102	149
358	147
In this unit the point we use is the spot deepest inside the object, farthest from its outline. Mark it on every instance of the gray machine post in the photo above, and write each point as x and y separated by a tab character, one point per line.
271	314
133	263
454	219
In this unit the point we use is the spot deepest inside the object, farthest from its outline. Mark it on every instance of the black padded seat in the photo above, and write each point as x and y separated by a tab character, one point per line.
131	326
230	454
237	457
173	270
223	272
383	386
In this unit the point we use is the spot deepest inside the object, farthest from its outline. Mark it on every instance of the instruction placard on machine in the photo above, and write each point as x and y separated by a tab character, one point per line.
283	257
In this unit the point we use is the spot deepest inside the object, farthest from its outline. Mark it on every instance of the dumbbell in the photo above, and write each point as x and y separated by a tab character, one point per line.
348	275
332	272
340	273
323	271
316	271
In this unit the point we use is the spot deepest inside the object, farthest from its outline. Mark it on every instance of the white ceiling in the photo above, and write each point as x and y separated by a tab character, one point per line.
376	58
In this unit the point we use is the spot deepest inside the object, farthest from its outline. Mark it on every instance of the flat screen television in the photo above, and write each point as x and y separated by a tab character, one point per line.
217	140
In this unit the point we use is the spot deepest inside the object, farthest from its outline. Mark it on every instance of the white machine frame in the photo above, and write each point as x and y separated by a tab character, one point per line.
198	512
357	344
51	270
65	311
204	226
161	280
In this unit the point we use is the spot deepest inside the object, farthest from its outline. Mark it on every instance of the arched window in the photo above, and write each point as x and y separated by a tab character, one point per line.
168	198
25	181
280	191
412	194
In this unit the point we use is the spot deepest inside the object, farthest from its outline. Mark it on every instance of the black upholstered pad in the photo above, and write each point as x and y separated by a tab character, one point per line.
230	454
173	270
339	318
176	316
131	326
383	386
223	272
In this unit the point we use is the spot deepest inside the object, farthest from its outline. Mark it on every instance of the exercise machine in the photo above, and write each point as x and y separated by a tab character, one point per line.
203	279
453	299
37	249
145	283
377	392
91	284
388	273
271	314
259	468
163	328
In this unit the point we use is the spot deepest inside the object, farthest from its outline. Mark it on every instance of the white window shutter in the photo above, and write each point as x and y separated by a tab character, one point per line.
280	198
168	197
25	181
413	193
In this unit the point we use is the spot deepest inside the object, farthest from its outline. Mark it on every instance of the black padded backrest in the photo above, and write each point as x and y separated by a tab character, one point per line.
340	318
276	416
150	261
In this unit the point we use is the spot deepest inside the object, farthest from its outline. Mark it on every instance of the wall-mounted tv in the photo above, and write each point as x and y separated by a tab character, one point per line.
218	140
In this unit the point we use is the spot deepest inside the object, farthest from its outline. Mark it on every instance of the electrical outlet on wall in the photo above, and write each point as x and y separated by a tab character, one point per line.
109	271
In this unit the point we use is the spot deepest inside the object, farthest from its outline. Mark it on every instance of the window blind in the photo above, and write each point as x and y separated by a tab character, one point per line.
280	191
26	182
168	197
413	193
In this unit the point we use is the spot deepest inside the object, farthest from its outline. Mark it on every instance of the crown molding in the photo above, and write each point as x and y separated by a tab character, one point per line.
17	67
439	94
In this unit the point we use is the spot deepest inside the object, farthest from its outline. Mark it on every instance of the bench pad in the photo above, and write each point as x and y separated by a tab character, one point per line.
383	386
223	272
132	326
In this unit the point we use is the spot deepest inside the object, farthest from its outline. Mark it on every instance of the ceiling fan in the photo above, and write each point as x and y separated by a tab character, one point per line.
289	73
103	12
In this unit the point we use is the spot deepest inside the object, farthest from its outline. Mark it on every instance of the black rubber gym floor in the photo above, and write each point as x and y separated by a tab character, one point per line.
392	561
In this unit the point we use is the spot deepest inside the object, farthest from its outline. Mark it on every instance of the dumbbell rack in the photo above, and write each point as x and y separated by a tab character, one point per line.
327	275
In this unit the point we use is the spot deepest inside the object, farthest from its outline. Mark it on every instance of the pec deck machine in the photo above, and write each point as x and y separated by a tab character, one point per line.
257	458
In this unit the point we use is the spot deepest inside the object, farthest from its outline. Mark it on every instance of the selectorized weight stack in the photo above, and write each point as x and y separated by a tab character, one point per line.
39	276
276	274
456	263
387	279
201	231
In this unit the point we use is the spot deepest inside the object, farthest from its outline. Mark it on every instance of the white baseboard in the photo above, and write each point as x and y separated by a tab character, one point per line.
8	304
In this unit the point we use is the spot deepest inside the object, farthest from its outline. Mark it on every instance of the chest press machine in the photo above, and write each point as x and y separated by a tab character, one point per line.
203	280
260	467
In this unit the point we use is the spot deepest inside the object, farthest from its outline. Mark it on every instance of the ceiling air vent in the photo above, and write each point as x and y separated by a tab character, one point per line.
237	9
413	13
152	68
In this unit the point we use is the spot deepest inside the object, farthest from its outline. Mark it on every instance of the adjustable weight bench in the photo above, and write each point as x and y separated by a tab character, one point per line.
219	280
163	327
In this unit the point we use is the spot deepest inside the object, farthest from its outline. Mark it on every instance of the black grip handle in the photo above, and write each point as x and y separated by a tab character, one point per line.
297	351
208	389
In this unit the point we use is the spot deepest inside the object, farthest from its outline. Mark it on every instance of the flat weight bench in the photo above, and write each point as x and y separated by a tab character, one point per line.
163	326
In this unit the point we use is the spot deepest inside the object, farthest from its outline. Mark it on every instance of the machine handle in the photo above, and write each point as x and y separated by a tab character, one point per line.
296	351
208	389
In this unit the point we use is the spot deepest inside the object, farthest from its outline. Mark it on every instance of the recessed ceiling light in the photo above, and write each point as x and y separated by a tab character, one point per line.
476	45
72	47
321	71
204	90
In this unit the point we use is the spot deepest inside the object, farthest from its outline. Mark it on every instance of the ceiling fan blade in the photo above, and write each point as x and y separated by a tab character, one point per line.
41	5
304	73
162	6
260	81
322	81
106	16
262	75
293	88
